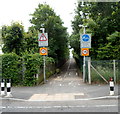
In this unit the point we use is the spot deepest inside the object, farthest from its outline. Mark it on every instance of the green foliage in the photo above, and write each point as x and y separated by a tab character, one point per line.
31	42
106	73
23	70
12	37
10	67
33	65
32	62
45	17
103	24
111	50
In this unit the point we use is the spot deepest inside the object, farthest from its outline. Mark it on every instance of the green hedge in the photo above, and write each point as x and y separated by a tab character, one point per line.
32	62
10	67
23	70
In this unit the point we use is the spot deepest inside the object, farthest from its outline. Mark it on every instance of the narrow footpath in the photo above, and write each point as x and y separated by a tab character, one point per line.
67	85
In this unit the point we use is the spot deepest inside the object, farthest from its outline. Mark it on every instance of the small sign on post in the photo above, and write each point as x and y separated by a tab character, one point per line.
42	39
85	40
43	51
85	51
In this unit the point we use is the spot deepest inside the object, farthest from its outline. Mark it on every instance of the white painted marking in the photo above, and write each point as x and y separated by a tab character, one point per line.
44	107
97	98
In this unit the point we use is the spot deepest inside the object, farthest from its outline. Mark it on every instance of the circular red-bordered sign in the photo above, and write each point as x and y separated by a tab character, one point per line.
85	51
43	51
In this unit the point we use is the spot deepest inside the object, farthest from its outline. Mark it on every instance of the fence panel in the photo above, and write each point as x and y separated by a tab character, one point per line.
102	70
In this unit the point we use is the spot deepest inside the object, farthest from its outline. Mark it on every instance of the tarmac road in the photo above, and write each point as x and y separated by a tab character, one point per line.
64	92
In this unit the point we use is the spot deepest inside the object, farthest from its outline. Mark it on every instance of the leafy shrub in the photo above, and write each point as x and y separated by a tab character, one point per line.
23	70
10	70
32	62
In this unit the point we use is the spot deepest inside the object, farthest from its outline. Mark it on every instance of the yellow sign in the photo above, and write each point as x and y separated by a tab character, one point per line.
85	51
43	51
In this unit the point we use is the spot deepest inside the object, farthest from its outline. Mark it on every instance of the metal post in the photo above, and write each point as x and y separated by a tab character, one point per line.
84	30
114	71
44	69
84	69
89	72
43	30
84	60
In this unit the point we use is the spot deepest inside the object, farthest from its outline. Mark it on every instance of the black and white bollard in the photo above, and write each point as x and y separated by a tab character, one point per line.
9	88
2	87
111	86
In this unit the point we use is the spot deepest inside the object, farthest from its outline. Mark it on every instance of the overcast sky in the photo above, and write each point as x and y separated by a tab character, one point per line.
19	10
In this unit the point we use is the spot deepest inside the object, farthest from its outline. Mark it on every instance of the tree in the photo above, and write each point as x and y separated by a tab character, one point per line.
102	23
31	42
112	49
12	37
45	17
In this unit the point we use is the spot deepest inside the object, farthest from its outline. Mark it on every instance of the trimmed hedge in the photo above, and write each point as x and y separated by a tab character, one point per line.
23	70
10	67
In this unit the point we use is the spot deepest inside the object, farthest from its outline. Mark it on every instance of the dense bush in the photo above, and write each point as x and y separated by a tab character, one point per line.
10	67
23	70
32	62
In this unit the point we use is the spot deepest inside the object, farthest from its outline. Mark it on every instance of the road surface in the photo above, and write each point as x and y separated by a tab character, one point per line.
64	92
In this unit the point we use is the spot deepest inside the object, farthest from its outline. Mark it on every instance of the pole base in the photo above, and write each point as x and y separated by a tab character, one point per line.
111	93
2	94
9	95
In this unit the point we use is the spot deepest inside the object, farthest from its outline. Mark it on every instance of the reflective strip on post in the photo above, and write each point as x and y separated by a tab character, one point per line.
9	88
2	87
111	88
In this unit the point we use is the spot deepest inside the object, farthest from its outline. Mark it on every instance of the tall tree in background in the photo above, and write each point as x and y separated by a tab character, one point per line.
45	17
12	37
103	23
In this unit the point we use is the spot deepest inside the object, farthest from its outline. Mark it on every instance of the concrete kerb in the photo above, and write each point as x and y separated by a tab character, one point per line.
96	98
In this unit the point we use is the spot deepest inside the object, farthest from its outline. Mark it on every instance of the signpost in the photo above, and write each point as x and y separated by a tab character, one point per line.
85	40
42	39
43	42
43	51
85	51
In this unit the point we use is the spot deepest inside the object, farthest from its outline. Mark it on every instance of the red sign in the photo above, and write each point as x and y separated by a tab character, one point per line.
42	37
85	51
43	51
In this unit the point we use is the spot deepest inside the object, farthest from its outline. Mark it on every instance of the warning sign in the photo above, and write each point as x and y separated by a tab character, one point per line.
43	51
42	39
85	51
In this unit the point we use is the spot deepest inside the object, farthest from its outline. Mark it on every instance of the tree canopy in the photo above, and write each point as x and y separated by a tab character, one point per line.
12	37
45	17
16	40
102	20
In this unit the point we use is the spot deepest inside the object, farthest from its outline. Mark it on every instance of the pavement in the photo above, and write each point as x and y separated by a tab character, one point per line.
64	92
66	86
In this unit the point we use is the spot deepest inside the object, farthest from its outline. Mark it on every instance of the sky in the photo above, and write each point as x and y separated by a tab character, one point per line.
19	10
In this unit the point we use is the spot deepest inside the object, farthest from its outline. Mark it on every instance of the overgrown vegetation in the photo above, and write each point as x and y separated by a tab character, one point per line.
21	61
102	21
105	68
23	70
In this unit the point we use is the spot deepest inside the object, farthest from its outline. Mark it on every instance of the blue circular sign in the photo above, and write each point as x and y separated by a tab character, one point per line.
85	37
